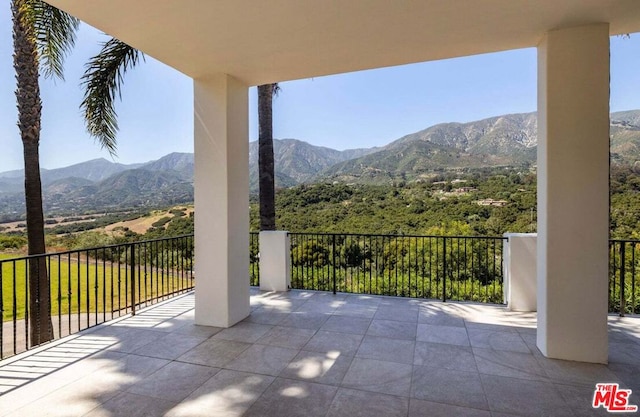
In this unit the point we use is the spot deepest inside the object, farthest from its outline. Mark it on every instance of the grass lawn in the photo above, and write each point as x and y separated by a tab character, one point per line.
84	285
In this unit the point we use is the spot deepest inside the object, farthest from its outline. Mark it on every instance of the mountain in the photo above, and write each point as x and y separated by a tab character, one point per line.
100	185
508	140
10	185
66	185
502	135
297	161
132	188
93	170
16	174
628	117
182	163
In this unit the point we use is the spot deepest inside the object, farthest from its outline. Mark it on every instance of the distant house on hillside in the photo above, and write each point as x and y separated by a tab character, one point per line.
464	190
492	202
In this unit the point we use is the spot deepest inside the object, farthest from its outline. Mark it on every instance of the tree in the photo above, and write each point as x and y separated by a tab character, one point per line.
42	37
266	172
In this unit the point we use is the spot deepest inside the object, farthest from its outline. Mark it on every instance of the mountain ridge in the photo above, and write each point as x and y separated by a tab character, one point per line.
505	140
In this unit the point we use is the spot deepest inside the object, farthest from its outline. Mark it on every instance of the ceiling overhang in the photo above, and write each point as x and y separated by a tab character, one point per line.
277	40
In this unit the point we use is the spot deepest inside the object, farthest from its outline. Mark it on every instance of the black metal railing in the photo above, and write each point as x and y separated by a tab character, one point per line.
624	276
444	267
254	258
88	287
91	286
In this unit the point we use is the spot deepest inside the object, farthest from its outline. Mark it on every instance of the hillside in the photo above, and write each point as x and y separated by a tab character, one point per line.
625	136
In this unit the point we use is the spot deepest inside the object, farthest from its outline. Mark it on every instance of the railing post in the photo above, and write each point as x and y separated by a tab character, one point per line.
333	254
623	300
444	269
133	279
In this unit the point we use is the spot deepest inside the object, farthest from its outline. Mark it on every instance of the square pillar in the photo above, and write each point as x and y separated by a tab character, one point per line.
275	261
573	193
221	188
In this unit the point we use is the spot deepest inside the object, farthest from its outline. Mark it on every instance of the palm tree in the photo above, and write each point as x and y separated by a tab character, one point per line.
266	171
42	37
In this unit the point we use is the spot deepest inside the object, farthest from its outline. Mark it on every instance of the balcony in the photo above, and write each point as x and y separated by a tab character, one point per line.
315	354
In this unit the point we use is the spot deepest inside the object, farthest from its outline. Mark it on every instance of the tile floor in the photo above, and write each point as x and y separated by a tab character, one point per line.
307	353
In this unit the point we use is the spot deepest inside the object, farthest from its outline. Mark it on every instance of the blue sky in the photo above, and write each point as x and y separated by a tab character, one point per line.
363	109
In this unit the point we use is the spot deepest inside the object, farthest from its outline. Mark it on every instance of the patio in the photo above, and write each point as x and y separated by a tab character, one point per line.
305	353
231	46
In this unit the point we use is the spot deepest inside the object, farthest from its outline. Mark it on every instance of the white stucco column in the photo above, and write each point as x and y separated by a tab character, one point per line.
573	193
221	201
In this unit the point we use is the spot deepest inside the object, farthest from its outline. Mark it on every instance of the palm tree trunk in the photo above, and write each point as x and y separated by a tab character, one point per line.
25	62
265	158
39	293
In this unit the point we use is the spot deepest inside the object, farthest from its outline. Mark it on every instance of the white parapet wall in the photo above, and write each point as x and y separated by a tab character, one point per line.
275	261
520	271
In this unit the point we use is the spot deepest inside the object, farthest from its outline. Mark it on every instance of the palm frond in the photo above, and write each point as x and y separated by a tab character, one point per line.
54	32
101	81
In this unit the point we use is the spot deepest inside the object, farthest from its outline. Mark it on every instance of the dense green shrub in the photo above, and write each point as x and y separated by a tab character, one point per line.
310	253
178	212
90	240
12	242
161	222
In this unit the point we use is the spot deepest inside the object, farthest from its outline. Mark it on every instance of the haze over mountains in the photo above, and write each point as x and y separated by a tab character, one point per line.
507	140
